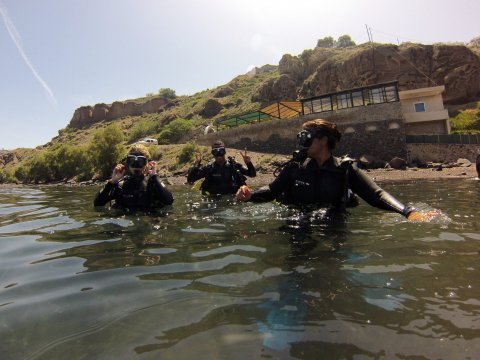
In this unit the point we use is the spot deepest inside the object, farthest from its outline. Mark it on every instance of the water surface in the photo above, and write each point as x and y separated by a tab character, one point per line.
220	280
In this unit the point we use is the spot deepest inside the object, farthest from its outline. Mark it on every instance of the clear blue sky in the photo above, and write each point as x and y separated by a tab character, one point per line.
58	55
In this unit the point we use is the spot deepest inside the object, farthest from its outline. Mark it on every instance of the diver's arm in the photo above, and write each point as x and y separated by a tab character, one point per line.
374	195
249	170
105	195
275	188
195	173
262	195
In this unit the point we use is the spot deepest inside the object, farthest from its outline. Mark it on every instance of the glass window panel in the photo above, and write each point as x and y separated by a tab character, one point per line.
376	96
419	107
334	102
316	106
344	101
326	104
391	94
357	98
307	107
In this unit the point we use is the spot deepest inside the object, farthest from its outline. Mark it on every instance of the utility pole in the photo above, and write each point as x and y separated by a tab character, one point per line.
370	39
368	34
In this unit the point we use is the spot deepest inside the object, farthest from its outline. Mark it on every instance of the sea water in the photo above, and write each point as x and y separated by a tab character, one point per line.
215	279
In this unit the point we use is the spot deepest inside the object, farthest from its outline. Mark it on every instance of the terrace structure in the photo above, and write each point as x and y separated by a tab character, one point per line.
373	120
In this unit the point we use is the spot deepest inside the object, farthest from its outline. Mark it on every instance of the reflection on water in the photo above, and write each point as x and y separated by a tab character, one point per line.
233	281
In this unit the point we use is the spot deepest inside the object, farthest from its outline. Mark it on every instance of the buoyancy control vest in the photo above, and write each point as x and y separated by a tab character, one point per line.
325	185
223	179
137	193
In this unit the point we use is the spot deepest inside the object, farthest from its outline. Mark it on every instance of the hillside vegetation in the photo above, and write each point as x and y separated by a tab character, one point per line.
331	66
465	119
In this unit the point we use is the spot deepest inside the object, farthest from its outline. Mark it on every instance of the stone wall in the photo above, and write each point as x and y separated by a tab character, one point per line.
442	152
374	130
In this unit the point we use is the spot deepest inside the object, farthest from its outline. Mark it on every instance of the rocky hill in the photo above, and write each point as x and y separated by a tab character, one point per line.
323	70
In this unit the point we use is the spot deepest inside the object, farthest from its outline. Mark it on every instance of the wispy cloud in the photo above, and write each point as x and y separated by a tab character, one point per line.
17	40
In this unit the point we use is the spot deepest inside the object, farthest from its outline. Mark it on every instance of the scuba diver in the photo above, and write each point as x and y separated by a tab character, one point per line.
315	177
141	189
222	175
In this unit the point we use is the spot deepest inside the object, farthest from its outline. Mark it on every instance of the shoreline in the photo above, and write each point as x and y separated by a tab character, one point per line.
377	175
265	176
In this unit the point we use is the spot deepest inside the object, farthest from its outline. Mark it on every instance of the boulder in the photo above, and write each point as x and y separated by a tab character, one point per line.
7	157
464	162
398	163
282	88
370	162
211	108
223	92
291	66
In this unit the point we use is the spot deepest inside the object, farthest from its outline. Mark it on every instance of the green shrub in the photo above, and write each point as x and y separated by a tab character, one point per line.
141	129
59	164
6	176
187	154
71	161
36	169
155	152
167	93
326	42
106	149
174	131
165	136
344	41
465	121
20	173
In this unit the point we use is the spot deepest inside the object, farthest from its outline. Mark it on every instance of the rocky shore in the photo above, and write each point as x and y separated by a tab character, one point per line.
445	172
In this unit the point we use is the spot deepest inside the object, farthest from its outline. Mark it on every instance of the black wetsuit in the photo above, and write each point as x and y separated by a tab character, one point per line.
144	193
330	185
221	179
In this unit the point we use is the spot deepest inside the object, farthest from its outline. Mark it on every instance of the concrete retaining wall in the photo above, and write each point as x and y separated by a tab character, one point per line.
376	130
442	152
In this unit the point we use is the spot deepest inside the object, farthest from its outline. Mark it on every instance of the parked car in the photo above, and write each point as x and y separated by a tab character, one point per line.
148	141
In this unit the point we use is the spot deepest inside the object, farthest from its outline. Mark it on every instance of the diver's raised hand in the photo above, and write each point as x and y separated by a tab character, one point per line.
243	194
245	157
117	174
198	159
152	167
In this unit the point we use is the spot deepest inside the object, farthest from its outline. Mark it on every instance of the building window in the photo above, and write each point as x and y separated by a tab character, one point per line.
357	98
376	96
419	107
391	94
344	101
